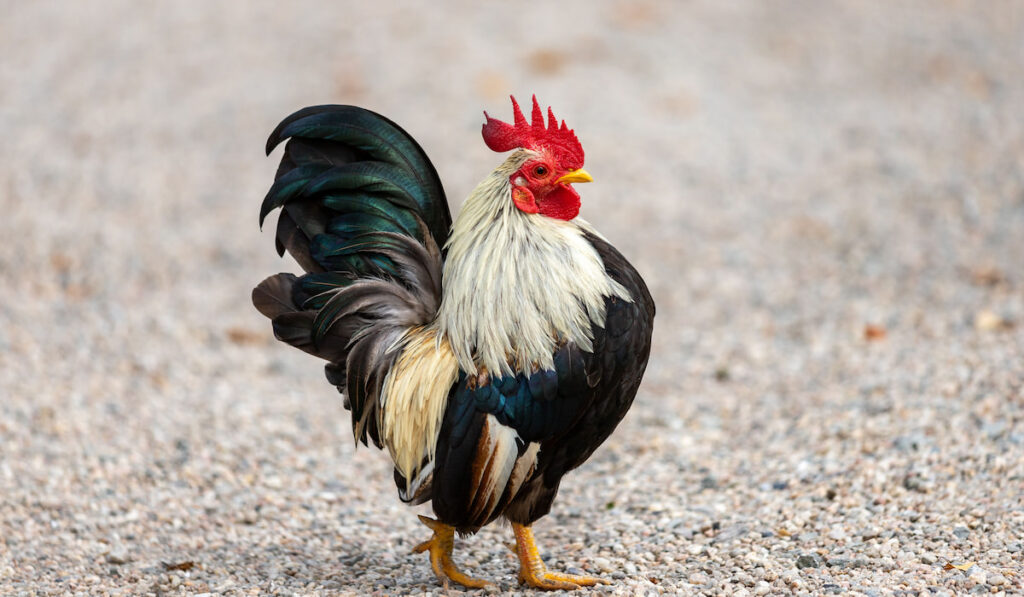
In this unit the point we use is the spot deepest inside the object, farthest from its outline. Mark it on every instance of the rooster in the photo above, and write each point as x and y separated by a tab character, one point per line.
489	356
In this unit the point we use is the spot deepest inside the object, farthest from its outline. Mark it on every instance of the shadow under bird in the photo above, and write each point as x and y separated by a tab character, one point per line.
490	355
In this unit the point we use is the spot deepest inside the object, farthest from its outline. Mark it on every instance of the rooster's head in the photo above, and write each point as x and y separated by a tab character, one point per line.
541	184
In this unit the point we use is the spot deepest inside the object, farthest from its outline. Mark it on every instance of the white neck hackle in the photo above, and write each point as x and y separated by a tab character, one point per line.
517	284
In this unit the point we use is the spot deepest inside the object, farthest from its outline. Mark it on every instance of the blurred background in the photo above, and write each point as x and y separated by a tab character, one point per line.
826	199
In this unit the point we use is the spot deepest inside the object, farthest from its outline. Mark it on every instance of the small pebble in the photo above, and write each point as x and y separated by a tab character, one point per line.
118	557
603	564
808	560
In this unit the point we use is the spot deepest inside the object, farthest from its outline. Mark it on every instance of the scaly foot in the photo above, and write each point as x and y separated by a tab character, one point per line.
440	546
534	573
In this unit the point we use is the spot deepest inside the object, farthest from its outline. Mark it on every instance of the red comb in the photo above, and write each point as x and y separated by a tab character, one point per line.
502	136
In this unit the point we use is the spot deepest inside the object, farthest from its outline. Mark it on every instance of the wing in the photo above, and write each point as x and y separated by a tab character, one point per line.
621	350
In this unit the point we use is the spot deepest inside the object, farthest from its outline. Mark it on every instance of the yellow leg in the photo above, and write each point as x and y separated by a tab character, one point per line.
440	546
532	571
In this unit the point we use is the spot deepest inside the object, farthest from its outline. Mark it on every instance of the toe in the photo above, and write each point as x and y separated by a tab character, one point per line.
466	581
583	581
551	582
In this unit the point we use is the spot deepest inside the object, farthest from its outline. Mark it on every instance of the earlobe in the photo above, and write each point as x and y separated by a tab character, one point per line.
524	200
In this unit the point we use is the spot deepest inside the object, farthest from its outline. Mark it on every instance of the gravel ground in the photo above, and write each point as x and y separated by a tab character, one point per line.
827	202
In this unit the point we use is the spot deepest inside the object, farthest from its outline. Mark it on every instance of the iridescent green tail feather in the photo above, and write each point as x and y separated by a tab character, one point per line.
363	212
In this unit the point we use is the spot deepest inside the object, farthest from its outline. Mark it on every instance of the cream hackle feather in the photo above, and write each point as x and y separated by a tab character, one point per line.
414	397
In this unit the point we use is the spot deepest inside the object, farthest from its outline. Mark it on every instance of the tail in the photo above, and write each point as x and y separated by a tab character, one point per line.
365	215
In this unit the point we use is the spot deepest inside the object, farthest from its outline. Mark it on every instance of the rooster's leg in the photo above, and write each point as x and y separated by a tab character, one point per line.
532	571
440	547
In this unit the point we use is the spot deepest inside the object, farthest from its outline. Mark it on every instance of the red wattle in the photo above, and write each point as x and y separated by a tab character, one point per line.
562	203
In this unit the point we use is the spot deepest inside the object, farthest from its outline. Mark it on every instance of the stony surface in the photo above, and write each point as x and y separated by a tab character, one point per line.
828	204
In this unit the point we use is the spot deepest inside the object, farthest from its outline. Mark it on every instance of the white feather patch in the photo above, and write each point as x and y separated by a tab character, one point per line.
495	459
525	466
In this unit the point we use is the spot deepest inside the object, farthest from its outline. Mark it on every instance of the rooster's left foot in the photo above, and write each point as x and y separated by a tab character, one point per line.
534	573
440	546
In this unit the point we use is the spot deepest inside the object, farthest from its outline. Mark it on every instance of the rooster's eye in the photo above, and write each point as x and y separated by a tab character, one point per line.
540	171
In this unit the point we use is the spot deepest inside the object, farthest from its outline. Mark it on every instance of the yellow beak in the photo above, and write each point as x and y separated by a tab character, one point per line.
580	175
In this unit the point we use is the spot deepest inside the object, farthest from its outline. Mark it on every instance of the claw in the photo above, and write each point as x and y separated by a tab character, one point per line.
534	573
440	546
